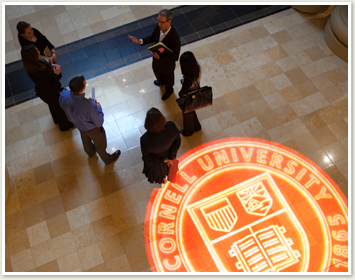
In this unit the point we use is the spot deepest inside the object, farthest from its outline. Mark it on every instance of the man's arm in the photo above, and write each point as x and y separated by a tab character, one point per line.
145	40
97	116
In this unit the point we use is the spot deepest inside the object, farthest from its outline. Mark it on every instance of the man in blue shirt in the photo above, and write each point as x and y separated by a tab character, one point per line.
87	116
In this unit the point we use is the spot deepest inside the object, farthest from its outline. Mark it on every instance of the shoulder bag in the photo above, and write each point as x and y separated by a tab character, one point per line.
196	99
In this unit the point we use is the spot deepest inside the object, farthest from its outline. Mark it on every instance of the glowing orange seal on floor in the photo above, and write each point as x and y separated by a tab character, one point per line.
247	205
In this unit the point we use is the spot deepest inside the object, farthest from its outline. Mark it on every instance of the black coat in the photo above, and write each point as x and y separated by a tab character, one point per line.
47	83
41	43
155	148
47	88
171	40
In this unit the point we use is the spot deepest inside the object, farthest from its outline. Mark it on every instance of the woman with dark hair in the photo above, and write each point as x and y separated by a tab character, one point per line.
159	146
191	72
47	85
28	35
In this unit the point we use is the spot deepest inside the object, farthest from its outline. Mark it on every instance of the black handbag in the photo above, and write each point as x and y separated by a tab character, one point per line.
195	99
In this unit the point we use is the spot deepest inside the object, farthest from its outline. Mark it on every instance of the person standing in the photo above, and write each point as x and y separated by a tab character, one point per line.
191	71
46	79
159	146
28	35
163	66
88	117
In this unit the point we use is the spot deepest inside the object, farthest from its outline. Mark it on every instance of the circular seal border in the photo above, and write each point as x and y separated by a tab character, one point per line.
152	208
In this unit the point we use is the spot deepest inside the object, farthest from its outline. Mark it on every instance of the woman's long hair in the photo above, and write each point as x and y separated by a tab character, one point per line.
189	66
30	60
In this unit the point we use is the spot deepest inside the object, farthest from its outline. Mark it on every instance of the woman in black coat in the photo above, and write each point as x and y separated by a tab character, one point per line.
191	72
28	35
46	79
159	146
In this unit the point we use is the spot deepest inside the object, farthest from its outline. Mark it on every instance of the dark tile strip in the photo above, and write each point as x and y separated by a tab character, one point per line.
110	50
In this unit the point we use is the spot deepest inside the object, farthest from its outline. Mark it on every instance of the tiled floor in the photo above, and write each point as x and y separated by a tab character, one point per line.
96	54
274	78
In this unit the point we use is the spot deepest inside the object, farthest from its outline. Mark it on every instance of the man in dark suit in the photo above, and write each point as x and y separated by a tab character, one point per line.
163	65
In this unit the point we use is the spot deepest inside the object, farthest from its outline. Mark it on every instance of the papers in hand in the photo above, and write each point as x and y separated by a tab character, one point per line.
160	48
93	94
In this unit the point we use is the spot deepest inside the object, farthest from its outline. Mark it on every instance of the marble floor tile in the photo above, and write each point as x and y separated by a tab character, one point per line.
97	209
90	256
70	263
43	253
78	217
38	233
22	262
111	247
274	79
58	225
63	245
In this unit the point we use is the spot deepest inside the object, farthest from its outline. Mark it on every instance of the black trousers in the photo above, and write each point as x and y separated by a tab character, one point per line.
164	72
58	115
191	123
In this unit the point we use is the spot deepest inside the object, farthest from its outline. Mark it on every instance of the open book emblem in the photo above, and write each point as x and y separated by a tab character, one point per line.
243	221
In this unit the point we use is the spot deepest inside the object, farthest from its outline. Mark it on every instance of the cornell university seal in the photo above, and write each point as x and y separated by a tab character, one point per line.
247	205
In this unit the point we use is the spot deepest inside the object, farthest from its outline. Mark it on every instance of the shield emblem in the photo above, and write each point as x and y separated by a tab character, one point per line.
243	222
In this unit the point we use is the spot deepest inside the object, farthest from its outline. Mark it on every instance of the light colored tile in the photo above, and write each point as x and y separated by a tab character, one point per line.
275	100
317	101
63	245
236	131
267	42
57	151
302	107
109	13
78	217
97	209
262	58
132	138
22	262
38	233
35	143
70	263
119	264
295	128
279	134
247	64
265	87
43	253
281	81
84	236
90	256
252	127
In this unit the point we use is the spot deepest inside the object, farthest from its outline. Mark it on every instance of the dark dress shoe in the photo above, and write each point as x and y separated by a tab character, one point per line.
115	156
166	95
184	134
157	84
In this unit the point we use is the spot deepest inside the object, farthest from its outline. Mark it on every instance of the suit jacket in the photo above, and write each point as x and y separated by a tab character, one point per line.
41	43
171	40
